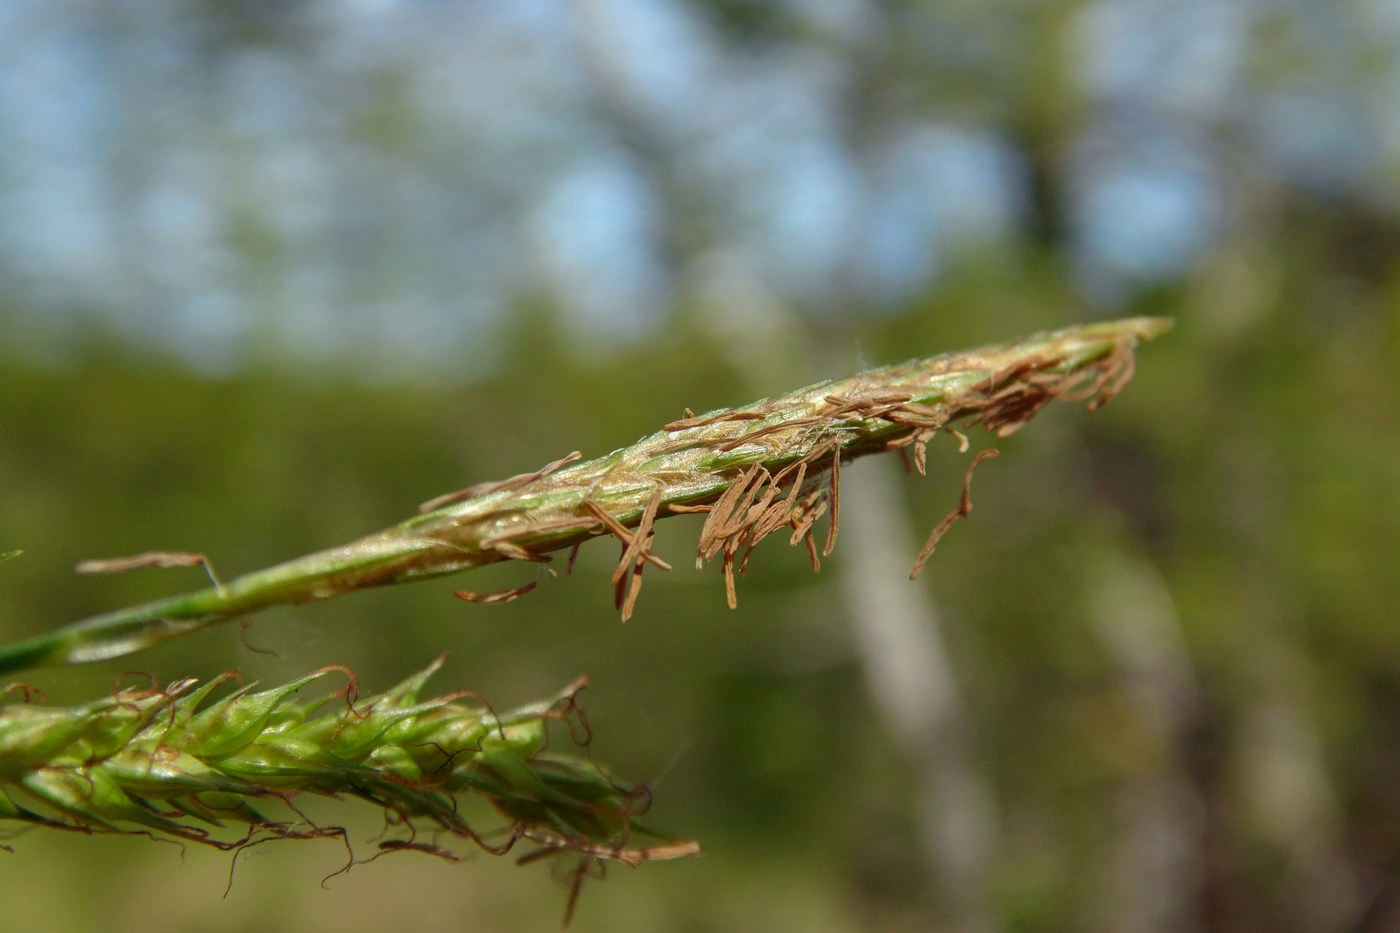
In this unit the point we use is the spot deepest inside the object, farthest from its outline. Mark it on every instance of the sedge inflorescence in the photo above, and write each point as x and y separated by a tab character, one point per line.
178	763
753	470
776	464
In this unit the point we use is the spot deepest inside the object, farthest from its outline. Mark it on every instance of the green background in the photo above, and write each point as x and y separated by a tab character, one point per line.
1169	627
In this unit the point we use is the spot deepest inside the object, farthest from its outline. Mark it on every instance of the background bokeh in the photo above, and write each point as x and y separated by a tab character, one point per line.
271	273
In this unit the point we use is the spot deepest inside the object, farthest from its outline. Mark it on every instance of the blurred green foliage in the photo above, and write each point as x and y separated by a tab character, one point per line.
1172	623
1252	465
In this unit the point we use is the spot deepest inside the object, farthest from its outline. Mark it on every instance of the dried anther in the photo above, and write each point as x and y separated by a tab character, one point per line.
495	599
512	551
636	552
515	482
964	507
160	559
691	421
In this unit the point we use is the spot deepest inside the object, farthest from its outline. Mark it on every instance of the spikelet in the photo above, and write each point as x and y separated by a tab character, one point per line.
177	763
753	470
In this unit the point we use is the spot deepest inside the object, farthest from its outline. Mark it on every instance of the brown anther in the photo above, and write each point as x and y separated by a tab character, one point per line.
497	598
514	482
835	500
160	559
690	421
964	507
515	552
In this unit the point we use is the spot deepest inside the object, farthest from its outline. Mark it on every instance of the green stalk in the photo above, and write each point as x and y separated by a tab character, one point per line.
775	456
173	763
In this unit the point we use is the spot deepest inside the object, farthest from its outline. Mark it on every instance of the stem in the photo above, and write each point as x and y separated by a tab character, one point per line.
755	468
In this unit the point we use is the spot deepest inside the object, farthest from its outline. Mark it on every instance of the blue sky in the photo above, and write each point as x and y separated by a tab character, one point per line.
393	174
